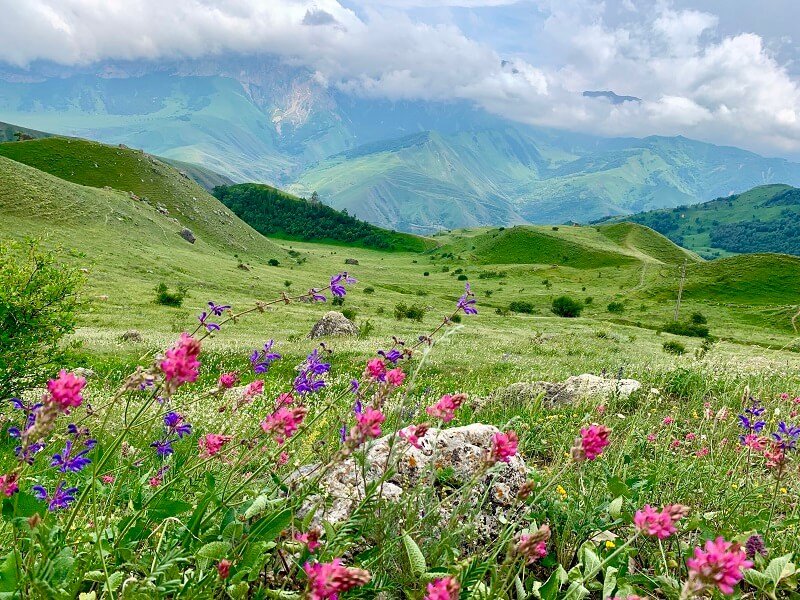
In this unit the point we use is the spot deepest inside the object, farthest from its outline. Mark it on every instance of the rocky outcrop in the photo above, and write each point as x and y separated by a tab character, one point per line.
132	335
574	389
459	451
188	235
350	261
333	323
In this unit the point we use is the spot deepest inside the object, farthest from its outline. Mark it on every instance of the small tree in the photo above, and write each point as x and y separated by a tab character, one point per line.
38	306
564	306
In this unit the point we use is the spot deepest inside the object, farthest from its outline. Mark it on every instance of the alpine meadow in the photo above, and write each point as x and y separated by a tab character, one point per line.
326	300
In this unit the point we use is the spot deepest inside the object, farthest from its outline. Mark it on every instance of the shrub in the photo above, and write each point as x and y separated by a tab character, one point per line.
461	278
273	262
456	318
337	301
168	297
564	306
426	274
38	307
616	307
369	290
674	347
686	329
521	306
698	318
588	300
403	311
365	328
349	313
287	283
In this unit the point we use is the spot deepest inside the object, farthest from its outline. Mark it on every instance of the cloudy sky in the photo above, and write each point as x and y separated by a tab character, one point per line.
724	71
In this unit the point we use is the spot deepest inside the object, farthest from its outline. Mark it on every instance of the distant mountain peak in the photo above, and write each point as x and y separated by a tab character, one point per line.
611	96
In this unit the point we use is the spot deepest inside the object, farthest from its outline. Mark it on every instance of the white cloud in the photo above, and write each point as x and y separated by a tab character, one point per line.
691	79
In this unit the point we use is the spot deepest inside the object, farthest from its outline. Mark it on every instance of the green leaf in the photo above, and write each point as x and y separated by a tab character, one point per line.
256	507
213	550
24	505
416	559
549	590
268	528
615	507
576	591
166	508
519	588
757	579
779	568
114	581
8	573
591	562
610	582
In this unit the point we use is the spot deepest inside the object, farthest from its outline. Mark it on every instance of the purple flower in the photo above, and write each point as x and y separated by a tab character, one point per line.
392	355
28	455
749	425
467	302
786	436
338	282
203	318
343	433
66	462
218	309
175	425
316	296
354	385
307	380
163	447
14	432
262	359
62	497
358	408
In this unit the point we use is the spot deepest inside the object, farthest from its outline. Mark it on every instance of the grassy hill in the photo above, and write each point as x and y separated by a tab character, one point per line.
763	219
276	213
13	133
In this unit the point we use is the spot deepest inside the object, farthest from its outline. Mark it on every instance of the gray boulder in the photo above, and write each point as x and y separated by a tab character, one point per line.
132	335
350	261
333	323
578	388
187	234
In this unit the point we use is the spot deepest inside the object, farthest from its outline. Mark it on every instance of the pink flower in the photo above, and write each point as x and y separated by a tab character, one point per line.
601	408
651	437
413	434
668	421
675	444
180	364
446	588
327	580
719	564
784	396
284	422
211	443
504	446
533	546
253	389
396	377
310	539
702	452
690	437
9	484
65	390
283	458
107	479
796	400
368	424
754	442
224	568
155	482
590	444
285	399
376	368
228	380
446	407
659	524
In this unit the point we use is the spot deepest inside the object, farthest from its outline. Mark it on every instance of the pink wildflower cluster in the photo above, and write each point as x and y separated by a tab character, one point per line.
180	364
327	580
659	524
413	434
718	564
253	389
284	422
9	484
533	546
310	539
396	377
211	443
368	424
445	409
446	588
591	443
504	446
65	390
224	568
228	380
376	369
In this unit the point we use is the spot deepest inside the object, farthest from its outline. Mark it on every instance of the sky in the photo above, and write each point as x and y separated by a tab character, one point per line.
723	71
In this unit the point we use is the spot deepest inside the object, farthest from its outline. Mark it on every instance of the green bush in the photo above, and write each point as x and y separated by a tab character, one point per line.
564	306
674	347
456	318
461	278
616	307
168	297
686	329
273	262
38	307
349	313
521	306
588	300
403	311
369	290
698	318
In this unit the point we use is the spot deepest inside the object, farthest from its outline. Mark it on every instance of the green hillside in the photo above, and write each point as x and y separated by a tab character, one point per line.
276	213
577	247
13	133
764	219
157	185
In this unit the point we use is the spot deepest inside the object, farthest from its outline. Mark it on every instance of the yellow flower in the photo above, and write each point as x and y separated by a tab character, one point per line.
784	490
610	544
562	492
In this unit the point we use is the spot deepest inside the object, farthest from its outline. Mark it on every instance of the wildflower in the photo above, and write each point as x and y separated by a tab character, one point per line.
107	479
753	441
590	444
755	545
786	436
65	462
504	446
211	443
533	546
253	389
328	580
413	434
775	456
358	408
62	497
526	489
446	588
155	482
467	301
354	385
690	437
310	539
163	447
209	325
315	296
284	422
368	425
668	421
659	524
65	390
651	437
704	451
610	545
262	359
719	564
338	283
175	425
9	484
283	458
228	380
601	408
392	355
284	399
561	491
306	381
376	369
396	377
446	407
224	568
180	364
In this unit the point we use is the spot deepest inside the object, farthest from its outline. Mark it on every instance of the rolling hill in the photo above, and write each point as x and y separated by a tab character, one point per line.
763	219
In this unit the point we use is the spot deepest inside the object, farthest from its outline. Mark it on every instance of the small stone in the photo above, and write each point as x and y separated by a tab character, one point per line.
187	234
350	261
84	372
132	335
333	323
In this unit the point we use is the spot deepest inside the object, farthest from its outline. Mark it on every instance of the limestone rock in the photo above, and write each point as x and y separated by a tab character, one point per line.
570	391
350	261
84	372
187	234
333	323
132	335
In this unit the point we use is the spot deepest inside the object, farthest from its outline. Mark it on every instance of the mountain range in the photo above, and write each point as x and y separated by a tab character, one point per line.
412	166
